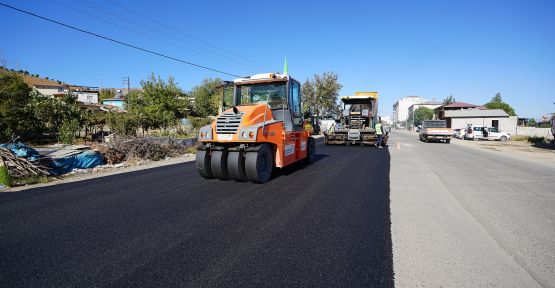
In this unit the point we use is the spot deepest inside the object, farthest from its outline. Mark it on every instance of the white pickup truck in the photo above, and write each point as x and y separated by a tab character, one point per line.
435	130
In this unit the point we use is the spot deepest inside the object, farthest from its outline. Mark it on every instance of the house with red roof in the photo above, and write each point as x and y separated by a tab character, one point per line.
440	111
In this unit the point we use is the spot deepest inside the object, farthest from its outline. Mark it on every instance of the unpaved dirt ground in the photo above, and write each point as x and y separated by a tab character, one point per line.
542	153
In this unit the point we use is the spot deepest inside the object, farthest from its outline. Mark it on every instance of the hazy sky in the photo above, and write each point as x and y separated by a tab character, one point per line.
470	49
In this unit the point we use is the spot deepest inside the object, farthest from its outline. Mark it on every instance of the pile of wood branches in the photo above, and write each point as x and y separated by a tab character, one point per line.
21	167
129	149
142	149
113	156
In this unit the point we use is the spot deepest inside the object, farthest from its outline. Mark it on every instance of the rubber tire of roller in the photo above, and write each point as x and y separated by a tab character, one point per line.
236	166
203	164
218	163
259	164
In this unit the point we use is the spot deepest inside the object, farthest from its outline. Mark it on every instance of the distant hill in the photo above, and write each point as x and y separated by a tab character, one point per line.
31	80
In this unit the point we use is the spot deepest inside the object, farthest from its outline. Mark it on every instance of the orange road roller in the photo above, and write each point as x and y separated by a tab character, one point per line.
263	129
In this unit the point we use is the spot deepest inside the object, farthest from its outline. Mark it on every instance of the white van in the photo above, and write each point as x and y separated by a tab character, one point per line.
486	133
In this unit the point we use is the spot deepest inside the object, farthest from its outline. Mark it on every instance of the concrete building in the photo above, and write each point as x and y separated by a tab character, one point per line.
429	104
85	95
484	117
45	86
118	102
439	112
401	110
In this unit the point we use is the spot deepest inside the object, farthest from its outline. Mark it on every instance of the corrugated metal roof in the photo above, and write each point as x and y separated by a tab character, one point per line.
469	113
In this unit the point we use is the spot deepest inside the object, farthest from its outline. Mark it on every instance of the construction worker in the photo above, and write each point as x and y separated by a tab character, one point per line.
379	132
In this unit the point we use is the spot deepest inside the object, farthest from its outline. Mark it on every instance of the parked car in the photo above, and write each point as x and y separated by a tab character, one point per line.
486	133
494	134
473	132
458	133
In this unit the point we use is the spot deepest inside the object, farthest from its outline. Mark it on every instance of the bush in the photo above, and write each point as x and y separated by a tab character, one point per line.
198	122
537	140
530	139
5	178
68	130
122	123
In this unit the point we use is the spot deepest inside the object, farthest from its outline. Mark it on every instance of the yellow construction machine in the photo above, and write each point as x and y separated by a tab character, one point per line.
358	119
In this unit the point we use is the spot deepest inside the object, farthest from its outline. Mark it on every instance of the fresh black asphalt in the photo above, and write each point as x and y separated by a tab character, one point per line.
322	225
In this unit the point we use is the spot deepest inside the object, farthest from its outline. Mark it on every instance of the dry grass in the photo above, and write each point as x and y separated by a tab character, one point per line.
519	138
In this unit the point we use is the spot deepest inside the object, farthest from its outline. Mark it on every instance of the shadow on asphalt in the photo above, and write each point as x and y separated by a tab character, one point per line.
296	166
547	146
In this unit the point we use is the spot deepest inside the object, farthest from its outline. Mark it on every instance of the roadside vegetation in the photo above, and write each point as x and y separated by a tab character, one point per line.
497	103
321	92
159	108
420	114
531	139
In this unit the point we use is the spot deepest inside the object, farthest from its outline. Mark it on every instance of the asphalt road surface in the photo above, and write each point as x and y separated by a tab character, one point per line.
464	217
417	214
323	225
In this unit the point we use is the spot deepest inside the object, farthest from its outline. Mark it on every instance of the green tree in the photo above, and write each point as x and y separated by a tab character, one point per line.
106	94
421	114
95	122
208	96
449	100
497	103
308	95
54	115
68	130
14	97
321	92
159	104
531	122
123	123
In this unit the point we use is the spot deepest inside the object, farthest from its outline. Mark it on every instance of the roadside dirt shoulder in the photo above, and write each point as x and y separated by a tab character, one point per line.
512	149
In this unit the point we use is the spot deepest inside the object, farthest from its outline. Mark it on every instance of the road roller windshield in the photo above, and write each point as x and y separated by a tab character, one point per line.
272	93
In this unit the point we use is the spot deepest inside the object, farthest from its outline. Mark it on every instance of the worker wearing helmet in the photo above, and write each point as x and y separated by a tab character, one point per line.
379	132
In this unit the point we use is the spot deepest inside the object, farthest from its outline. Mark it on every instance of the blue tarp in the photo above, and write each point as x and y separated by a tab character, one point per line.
87	159
21	150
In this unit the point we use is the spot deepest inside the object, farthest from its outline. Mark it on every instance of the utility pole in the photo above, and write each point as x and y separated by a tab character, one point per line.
126	82
413	126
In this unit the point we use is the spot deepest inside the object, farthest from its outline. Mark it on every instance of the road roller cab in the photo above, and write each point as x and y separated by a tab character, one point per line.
263	129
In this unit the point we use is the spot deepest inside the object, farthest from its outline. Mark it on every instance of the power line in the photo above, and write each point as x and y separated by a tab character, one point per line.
169	30
181	33
147	35
117	41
